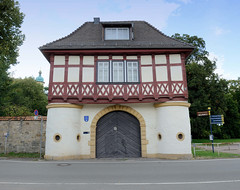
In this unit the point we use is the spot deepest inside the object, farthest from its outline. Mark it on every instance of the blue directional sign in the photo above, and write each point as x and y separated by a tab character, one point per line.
217	119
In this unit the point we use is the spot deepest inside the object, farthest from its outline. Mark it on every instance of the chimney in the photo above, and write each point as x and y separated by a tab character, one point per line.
96	20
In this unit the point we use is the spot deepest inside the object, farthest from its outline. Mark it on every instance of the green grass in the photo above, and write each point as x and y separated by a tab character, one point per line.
216	141
20	155
200	153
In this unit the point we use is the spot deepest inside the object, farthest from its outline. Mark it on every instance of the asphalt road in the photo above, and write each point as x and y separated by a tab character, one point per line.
121	174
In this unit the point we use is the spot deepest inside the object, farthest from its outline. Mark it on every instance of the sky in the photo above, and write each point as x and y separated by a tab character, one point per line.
216	21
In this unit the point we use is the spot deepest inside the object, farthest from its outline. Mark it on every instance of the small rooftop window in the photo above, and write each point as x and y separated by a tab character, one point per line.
116	33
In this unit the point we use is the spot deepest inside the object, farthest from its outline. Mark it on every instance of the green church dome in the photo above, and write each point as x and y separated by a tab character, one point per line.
40	78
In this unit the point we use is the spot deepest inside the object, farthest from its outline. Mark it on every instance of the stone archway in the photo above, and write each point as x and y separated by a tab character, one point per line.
92	142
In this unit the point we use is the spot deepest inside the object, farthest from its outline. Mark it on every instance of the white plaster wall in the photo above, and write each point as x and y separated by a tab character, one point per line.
176	73
167	121
175	58
66	122
74	60
161	73
170	121
117	57
88	74
146	60
58	75
160	59
103	57
73	74
59	60
147	75
131	57
146	110
91	111
88	60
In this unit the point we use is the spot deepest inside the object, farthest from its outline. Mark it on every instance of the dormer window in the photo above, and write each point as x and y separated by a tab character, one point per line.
117	33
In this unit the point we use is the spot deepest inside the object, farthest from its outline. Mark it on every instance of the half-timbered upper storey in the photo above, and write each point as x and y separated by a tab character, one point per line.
117	62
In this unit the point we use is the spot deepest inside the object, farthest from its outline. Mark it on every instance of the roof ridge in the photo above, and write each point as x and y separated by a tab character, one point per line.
72	33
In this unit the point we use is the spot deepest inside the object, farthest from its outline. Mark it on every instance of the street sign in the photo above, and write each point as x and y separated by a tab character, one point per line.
217	119
211	137
202	113
36	112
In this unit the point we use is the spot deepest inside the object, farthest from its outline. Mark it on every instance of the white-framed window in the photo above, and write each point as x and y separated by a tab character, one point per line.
117	33
118	72
103	71
132	71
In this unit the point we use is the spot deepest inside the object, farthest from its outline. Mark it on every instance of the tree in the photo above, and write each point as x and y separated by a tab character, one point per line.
199	54
24	96
206	88
11	38
232	118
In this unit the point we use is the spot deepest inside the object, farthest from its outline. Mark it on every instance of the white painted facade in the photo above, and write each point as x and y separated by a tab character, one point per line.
68	123
171	121
167	127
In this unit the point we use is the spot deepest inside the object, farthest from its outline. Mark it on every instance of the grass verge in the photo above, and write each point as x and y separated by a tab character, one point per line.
207	154
20	155
216	141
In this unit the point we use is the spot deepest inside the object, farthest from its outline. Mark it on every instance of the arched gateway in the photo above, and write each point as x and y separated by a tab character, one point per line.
118	136
136	124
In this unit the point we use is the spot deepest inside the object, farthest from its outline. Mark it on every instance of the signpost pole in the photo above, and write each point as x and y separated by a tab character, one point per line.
209	112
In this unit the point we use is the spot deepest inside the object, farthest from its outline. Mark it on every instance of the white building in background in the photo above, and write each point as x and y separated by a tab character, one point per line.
116	90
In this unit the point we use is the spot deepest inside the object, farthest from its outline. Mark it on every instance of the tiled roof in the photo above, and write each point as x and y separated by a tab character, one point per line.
90	36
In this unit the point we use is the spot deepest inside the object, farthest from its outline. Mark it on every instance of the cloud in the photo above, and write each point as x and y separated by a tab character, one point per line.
156	12
185	1
52	24
218	31
219	63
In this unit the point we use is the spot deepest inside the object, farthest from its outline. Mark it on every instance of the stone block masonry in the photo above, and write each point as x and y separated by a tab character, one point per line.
24	134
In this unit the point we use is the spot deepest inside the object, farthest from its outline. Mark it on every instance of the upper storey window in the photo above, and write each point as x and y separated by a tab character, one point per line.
117	71
117	33
103	71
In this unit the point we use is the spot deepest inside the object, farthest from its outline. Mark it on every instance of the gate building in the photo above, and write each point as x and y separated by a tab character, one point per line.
117	90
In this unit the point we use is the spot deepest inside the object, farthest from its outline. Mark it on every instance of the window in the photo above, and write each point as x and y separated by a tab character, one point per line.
132	71
118	71
116	33
103	71
118	74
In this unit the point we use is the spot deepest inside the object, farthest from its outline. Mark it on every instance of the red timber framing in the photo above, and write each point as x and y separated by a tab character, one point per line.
94	93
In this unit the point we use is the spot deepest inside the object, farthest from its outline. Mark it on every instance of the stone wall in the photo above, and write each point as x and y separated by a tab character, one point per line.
24	134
